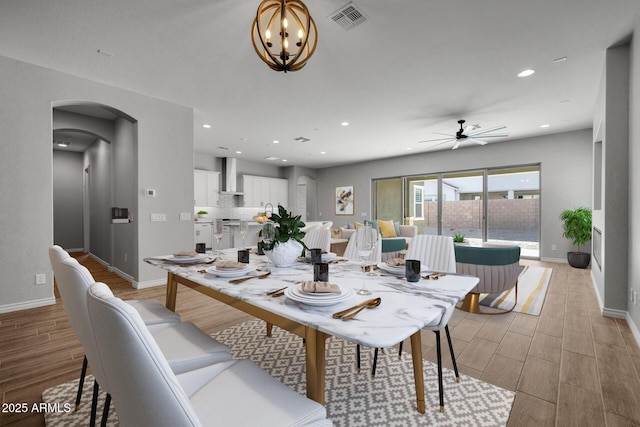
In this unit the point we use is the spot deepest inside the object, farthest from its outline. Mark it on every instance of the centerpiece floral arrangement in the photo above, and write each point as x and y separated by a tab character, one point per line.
287	228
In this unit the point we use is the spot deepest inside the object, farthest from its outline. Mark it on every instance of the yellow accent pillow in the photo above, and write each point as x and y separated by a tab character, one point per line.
387	229
357	224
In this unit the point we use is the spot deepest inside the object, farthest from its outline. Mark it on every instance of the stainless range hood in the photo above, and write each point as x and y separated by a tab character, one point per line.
229	177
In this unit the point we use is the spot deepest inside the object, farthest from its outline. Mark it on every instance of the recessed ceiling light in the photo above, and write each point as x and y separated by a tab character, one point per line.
323	152
526	73
206	126
284	160
275	141
544	126
238	152
409	148
344	124
271	158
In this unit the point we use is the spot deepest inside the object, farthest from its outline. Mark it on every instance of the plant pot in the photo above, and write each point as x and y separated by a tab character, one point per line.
285	254
579	259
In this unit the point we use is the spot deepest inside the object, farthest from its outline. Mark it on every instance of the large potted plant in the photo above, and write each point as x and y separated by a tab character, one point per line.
287	245
577	226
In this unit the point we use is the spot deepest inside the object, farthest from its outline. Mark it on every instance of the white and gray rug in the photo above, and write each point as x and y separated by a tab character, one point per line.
352	399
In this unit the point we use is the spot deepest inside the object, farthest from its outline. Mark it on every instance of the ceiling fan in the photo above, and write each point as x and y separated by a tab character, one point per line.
471	133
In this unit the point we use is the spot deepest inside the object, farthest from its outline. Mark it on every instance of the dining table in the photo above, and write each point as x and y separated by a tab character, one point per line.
277	297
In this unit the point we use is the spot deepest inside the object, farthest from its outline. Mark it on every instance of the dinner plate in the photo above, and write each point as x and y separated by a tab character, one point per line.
187	259
398	270
226	272
297	295
299	291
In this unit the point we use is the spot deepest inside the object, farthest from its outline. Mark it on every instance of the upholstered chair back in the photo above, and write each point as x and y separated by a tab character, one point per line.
434	252
497	267
319	237
144	388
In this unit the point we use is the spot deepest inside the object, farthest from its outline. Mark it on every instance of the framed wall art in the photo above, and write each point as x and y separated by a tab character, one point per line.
344	200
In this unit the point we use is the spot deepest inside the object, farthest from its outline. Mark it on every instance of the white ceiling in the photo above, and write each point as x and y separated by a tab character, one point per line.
414	68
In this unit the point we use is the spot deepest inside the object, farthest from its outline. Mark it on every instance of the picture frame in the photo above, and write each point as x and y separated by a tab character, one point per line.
344	200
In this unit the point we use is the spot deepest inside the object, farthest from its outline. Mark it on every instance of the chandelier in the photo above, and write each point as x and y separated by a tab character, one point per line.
275	21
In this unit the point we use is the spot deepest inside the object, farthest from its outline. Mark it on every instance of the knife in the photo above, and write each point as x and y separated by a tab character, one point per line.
244	279
355	307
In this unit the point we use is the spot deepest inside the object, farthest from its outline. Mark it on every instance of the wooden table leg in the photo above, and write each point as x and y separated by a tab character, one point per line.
418	373
172	291
315	357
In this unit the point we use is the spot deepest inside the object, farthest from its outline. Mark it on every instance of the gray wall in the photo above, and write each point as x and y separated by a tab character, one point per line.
165	163
565	175
67	199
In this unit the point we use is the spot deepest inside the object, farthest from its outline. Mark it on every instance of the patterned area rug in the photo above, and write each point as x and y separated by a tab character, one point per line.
352	399
533	282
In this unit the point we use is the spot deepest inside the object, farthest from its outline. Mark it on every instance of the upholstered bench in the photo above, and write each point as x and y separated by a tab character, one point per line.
497	267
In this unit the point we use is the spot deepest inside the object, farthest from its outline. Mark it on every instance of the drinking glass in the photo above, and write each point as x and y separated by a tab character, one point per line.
218	232
244	227
372	258
364	246
268	236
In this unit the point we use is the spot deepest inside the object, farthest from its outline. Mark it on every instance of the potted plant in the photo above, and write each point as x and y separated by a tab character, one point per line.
458	238
202	214
577	226
287	245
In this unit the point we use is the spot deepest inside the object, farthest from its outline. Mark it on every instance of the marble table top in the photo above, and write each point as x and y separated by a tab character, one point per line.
406	307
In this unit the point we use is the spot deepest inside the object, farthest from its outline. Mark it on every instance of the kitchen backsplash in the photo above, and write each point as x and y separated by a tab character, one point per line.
227	208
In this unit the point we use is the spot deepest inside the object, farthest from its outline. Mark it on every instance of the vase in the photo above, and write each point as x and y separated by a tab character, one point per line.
285	254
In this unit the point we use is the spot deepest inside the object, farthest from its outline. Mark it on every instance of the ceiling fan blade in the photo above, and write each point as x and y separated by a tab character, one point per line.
438	139
441	143
498	135
483	131
457	144
477	141
450	135
468	129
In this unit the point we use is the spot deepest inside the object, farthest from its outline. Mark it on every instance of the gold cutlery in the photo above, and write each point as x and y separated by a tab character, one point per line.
244	279
434	276
277	291
373	304
276	295
364	304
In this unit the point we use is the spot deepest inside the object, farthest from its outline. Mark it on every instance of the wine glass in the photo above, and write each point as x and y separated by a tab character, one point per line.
268	236
218	232
375	238
364	247
244	227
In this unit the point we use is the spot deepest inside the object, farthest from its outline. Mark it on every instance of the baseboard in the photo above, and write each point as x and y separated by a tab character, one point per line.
122	274
558	260
614	313
634	329
100	261
26	305
149	283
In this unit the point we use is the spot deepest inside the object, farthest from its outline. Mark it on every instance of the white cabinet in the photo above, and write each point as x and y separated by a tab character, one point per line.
204	234
260	190
205	185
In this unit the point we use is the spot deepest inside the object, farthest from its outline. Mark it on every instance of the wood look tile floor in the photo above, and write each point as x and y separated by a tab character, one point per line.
569	366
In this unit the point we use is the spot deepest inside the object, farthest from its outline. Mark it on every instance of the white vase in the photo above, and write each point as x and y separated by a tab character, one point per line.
285	254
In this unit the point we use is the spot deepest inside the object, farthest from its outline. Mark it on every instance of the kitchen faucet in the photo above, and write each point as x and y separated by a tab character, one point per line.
265	209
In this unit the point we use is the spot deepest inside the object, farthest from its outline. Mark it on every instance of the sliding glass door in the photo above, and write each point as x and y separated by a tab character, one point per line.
462	205
421	203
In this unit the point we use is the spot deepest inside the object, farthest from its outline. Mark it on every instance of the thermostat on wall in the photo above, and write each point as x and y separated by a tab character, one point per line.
149	192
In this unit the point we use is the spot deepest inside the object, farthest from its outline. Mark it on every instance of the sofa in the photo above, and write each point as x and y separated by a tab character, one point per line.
393	243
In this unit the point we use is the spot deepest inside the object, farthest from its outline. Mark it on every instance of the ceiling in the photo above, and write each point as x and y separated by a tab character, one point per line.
413	68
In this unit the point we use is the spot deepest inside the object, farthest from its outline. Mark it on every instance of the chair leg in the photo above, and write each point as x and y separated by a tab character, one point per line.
453	356
375	362
358	357
94	404
81	383
440	391
400	350
105	411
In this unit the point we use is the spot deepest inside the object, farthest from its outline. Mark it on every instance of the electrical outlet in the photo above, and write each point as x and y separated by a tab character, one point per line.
185	216
554	247
158	217
41	279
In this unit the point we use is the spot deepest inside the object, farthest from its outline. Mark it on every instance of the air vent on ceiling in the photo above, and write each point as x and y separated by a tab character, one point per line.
349	16
301	139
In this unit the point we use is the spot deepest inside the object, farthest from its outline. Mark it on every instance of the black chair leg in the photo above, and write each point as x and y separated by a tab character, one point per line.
105	411
375	362
400	350
453	356
81	383
358	357
440	391
94	404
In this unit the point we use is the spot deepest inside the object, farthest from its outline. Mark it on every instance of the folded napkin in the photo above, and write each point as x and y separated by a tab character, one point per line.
230	264
320	287
396	262
185	253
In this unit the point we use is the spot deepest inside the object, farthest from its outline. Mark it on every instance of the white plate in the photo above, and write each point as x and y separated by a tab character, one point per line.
187	259
325	257
298	290
291	293
229	273
398	270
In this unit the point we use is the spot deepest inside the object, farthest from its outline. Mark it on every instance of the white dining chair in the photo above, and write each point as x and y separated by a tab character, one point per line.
184	345
147	393
319	237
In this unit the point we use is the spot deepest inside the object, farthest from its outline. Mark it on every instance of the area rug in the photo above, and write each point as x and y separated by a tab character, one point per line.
352	399
533	282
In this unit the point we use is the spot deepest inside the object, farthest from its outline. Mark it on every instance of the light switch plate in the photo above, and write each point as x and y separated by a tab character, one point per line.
185	216
158	217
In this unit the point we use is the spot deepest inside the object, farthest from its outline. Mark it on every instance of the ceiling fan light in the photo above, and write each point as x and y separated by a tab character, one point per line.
526	73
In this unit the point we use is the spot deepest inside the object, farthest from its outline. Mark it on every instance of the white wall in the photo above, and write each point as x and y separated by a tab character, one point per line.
565	175
165	153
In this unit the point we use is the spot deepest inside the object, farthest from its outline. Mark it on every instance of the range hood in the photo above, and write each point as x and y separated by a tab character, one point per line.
229	177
